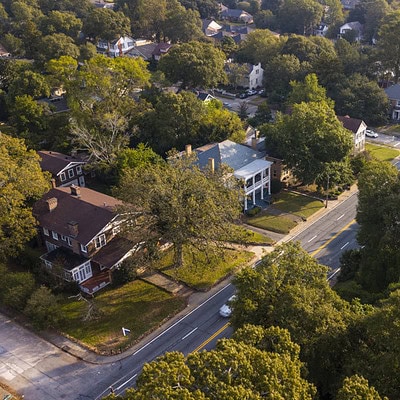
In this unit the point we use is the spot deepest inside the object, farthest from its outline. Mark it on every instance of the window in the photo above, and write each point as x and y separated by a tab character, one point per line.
78	169
116	230
49	265
63	177
257	71
69	241
64	238
55	235
70	173
83	248
46	231
100	241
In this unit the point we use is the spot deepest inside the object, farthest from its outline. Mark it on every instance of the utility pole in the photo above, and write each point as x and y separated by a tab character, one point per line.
327	193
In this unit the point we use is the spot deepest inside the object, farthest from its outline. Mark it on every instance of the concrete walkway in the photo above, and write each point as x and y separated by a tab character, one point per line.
194	298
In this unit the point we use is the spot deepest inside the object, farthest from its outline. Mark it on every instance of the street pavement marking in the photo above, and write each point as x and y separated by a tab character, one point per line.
332	238
340	217
123	384
188	334
213	336
312	239
344	246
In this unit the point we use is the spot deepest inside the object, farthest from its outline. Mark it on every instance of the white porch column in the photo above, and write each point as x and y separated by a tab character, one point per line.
269	180
245	202
262	184
254	197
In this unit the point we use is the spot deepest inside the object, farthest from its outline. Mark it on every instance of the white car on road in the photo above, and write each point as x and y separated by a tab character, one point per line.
370	133
226	310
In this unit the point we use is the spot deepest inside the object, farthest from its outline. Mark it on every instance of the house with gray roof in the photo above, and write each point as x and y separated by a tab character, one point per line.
357	127
79	228
248	165
236	15
393	94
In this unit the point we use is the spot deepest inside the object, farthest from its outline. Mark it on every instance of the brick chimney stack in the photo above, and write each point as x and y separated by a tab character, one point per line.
254	142
75	190
52	203
188	149
73	228
53	183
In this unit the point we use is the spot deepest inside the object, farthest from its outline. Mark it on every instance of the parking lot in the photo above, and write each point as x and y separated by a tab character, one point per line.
233	104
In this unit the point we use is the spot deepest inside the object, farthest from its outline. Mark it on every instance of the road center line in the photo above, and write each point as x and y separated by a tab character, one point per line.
397	144
312	238
332	238
344	246
213	336
188	334
180	320
340	217
124	383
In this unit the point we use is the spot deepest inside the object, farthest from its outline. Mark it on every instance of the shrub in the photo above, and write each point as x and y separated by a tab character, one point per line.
253	211
127	272
276	186
42	309
16	289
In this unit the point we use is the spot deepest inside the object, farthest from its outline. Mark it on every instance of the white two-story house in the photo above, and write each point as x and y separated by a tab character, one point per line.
358	128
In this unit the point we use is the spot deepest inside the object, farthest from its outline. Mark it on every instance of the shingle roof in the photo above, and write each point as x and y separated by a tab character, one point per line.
393	92
64	258
55	162
352	124
92	211
113	252
233	154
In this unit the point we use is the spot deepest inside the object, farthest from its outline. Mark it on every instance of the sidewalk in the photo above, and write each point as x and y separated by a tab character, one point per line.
195	299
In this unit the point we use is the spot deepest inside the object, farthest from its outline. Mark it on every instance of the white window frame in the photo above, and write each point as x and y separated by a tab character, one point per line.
84	248
54	235
63	238
78	169
63	177
71	173
69	241
46	232
48	264
116	230
100	241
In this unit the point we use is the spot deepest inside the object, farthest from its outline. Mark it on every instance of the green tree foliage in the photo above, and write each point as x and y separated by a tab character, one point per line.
176	120
362	98
61	22
21	181
260	45
206	8
357	388
279	72
178	203
187	20
42	309
309	140
195	64
106	24
103	111
17	288
388	46
57	45
299	16
28	83
377	214
289	289
234	371
262	115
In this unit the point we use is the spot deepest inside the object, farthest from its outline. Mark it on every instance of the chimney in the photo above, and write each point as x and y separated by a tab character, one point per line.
211	165
254	141
51	203
188	149
73	228
53	183
75	190
256	133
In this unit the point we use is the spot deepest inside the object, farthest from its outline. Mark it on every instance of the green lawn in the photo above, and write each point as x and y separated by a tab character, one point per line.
252	237
302	206
273	223
201	272
137	306
382	153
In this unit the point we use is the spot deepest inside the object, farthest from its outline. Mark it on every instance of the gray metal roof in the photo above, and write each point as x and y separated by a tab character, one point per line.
393	92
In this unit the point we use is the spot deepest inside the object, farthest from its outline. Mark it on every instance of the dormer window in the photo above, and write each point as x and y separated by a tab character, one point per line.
55	235
46	231
70	173
83	248
100	241
63	177
78	169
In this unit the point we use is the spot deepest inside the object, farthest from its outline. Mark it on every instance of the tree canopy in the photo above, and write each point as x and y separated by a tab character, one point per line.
21	182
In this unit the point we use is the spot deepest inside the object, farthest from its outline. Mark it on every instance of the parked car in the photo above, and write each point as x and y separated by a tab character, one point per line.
251	92
243	95
226	310
227	105
370	133
261	92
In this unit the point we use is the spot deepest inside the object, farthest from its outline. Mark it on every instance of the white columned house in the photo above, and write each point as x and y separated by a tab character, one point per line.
256	177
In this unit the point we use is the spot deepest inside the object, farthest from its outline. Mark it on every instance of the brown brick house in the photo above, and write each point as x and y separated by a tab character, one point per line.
79	227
